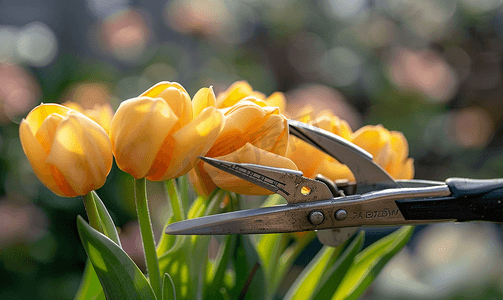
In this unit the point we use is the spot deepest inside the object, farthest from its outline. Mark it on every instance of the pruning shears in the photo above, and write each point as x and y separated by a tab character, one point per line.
336	209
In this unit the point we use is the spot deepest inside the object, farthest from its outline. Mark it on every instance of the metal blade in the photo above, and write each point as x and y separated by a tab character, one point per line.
369	176
288	183
371	209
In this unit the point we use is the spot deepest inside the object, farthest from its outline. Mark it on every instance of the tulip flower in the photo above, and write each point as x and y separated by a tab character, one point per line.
70	153
389	149
160	134
253	133
242	89
101	114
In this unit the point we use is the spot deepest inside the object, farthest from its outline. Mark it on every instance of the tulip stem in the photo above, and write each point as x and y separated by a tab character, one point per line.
147	235
92	211
175	200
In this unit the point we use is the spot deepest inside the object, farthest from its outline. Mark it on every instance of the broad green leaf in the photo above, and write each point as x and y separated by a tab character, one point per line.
90	285
168	288
335	274
107	223
118	274
369	263
305	285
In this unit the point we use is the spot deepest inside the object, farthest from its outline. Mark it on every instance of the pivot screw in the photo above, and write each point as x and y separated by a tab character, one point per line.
341	214
316	217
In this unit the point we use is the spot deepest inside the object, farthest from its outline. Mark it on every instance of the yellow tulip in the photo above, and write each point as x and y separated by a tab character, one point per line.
242	89
253	133
70	153
312	161
160	134
101	114
389	149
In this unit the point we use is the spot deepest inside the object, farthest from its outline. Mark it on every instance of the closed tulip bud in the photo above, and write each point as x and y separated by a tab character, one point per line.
161	134
253	133
70	153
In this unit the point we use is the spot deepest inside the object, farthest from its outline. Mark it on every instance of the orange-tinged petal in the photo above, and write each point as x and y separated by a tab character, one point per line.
175	96
37	157
190	142
201	180
137	132
247	154
272	135
82	152
241	122
204	98
277	99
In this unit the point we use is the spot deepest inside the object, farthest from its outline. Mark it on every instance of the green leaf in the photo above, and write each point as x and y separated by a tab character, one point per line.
305	285
90	284
219	265
107	223
118	274
168	288
334	276
369	263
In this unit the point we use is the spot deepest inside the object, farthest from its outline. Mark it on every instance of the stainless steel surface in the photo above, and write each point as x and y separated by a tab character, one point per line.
369	176
287	183
375	208
316	217
341	215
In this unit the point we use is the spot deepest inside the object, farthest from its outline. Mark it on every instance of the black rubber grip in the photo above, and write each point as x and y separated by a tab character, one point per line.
468	187
462	206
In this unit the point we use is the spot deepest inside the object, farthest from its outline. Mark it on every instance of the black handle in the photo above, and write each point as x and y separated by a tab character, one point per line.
471	200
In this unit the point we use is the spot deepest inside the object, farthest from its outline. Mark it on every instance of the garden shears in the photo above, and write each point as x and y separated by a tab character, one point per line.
336	209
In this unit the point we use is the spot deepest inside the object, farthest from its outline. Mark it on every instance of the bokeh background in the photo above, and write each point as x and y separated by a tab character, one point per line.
429	68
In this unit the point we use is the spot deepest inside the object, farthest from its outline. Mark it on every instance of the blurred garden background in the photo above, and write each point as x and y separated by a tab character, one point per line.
431	69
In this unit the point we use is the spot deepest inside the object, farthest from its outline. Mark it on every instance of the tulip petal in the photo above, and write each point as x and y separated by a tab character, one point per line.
190	142
306	157
277	99
175	96
82	152
45	134
399	146
234	93
37	158
201	180
247	154
137	132
334	170
241	123
272	135
38	115
204	98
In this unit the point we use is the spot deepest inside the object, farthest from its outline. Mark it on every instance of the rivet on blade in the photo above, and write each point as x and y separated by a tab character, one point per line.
316	217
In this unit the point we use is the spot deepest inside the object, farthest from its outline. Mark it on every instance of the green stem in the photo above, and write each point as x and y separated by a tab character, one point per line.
92	212
175	200
147	235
